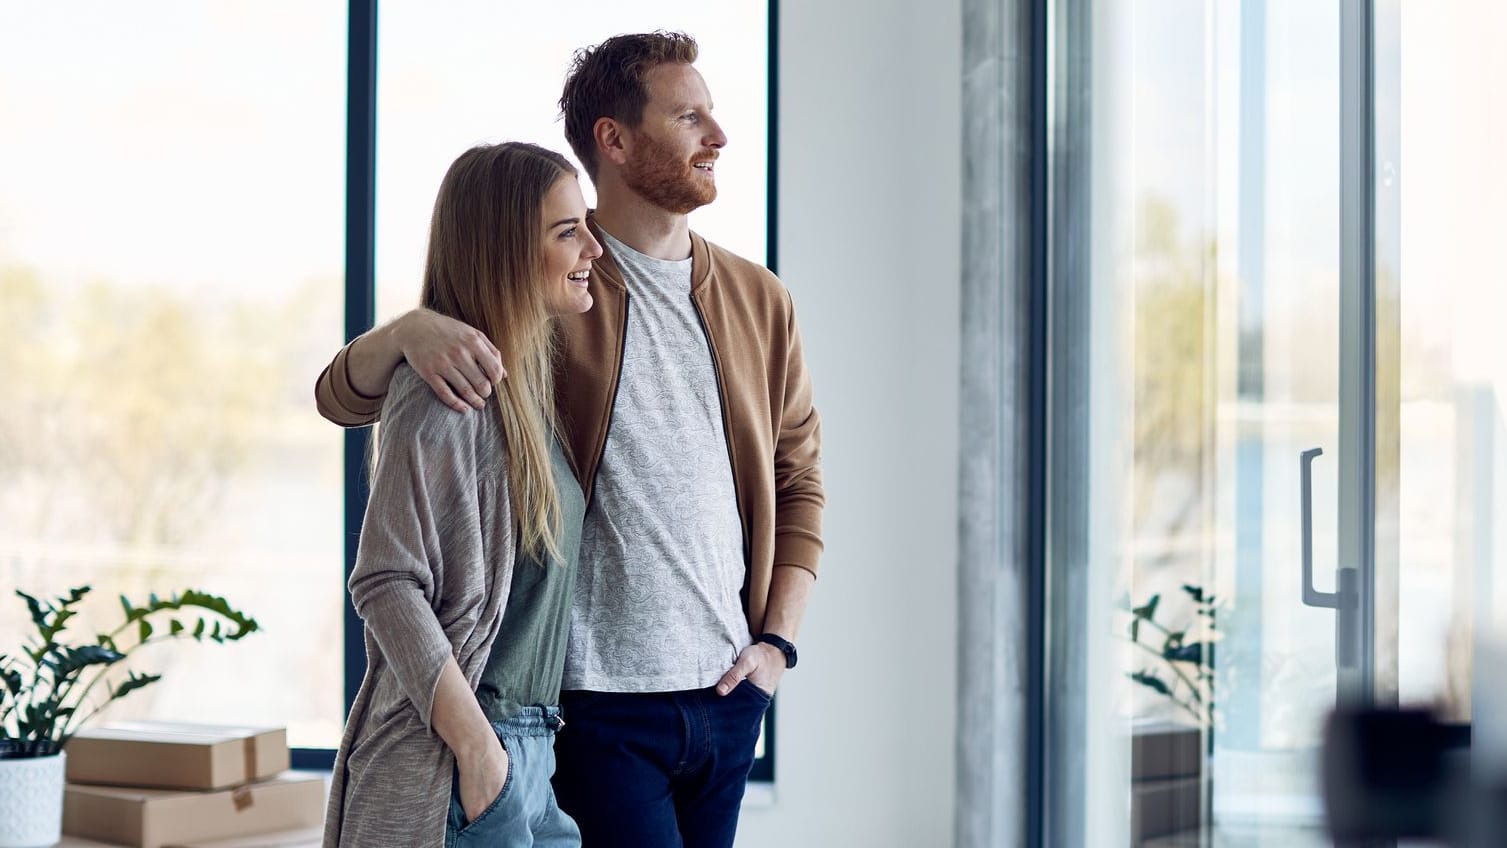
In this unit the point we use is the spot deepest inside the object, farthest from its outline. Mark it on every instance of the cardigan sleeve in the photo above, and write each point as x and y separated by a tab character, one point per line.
339	401
422	519
799	495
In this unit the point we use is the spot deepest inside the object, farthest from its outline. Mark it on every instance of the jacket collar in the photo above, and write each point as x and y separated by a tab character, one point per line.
612	275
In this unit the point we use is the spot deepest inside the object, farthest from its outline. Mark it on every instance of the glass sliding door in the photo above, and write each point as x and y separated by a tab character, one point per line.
1214	290
1277	464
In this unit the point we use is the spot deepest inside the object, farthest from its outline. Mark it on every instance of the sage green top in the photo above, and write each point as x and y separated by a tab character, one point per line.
528	655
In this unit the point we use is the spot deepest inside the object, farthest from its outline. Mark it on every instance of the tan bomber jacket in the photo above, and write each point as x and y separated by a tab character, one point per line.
772	429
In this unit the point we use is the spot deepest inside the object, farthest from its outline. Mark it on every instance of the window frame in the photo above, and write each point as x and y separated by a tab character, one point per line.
360	315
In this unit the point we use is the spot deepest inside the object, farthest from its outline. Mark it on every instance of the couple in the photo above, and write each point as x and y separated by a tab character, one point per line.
593	563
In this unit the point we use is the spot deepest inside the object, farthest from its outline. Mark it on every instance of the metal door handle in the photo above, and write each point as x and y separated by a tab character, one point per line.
1311	596
1343	601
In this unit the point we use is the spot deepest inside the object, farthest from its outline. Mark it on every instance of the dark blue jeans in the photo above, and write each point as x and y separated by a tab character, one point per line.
658	769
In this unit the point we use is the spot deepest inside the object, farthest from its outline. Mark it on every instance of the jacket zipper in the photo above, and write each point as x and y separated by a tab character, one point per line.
727	438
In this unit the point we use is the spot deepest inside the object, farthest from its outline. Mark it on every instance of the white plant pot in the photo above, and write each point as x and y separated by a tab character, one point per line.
31	801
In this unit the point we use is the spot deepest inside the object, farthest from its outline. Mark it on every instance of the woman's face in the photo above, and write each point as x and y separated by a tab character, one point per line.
569	248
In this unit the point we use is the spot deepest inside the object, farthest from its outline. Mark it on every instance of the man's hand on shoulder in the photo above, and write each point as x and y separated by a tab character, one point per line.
457	360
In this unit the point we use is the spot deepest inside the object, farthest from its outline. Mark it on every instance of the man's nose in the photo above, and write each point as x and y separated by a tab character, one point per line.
716	138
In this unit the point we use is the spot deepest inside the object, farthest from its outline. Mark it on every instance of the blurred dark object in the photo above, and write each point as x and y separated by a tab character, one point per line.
1392	774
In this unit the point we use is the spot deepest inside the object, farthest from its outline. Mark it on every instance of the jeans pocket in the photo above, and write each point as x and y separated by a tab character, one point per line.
507	785
753	689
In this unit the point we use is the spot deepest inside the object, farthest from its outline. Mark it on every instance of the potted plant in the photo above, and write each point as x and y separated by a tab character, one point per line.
1168	757
47	688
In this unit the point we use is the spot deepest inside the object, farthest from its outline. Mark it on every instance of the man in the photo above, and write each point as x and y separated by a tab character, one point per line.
687	410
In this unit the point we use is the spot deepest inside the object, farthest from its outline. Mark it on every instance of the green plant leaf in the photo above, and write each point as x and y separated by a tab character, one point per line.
12	680
1195	592
77	659
132	683
145	629
59	621
175	627
1151	681
36	608
1135	629
1190	653
1148	610
199	629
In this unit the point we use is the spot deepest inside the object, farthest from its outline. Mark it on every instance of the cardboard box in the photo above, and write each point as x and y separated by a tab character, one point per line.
173	755
156	818
1161	807
1160	750
309	837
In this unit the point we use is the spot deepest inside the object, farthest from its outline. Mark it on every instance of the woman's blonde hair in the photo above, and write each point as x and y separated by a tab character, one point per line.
485	267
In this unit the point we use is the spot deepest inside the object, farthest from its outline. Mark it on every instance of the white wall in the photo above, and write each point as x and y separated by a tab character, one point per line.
869	246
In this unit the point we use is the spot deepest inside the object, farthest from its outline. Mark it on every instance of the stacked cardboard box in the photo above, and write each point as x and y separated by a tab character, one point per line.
1168	780
173	785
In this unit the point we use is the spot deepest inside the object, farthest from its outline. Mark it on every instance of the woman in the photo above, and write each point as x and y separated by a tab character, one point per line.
468	550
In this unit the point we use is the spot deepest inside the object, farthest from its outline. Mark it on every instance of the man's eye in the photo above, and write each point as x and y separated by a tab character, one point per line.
689	116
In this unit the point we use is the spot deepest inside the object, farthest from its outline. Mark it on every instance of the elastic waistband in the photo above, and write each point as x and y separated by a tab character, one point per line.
531	721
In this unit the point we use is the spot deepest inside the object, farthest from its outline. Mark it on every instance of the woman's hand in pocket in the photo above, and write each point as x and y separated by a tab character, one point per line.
482	778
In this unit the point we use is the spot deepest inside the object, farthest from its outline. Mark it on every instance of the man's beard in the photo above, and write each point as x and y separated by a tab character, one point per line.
661	177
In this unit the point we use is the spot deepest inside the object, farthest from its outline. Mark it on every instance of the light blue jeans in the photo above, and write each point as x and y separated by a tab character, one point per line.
524	815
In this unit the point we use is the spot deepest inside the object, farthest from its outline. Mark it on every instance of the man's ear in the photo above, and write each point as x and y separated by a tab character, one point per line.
612	141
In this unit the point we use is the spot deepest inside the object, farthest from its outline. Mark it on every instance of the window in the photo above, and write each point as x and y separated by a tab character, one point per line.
454	76
171	210
1288	210
172	213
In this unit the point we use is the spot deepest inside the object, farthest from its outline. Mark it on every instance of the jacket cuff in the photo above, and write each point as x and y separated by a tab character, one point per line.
412	642
799	550
353	404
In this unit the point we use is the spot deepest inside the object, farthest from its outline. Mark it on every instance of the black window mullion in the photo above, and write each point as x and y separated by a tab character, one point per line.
763	767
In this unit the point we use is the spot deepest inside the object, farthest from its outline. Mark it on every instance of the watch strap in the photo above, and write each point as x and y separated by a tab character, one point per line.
785	646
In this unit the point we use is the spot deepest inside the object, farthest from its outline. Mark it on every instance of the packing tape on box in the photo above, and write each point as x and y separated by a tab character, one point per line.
250	744
241	798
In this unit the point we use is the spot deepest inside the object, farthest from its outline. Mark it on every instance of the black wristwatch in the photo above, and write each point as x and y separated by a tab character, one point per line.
783	644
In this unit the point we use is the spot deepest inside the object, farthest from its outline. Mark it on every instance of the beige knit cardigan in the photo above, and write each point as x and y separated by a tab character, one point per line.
431	581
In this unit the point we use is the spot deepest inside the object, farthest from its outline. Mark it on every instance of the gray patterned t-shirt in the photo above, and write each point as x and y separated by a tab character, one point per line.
657	605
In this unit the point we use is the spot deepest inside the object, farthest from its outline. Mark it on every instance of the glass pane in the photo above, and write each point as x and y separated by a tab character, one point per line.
459	74
1214	289
1452	510
171	253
